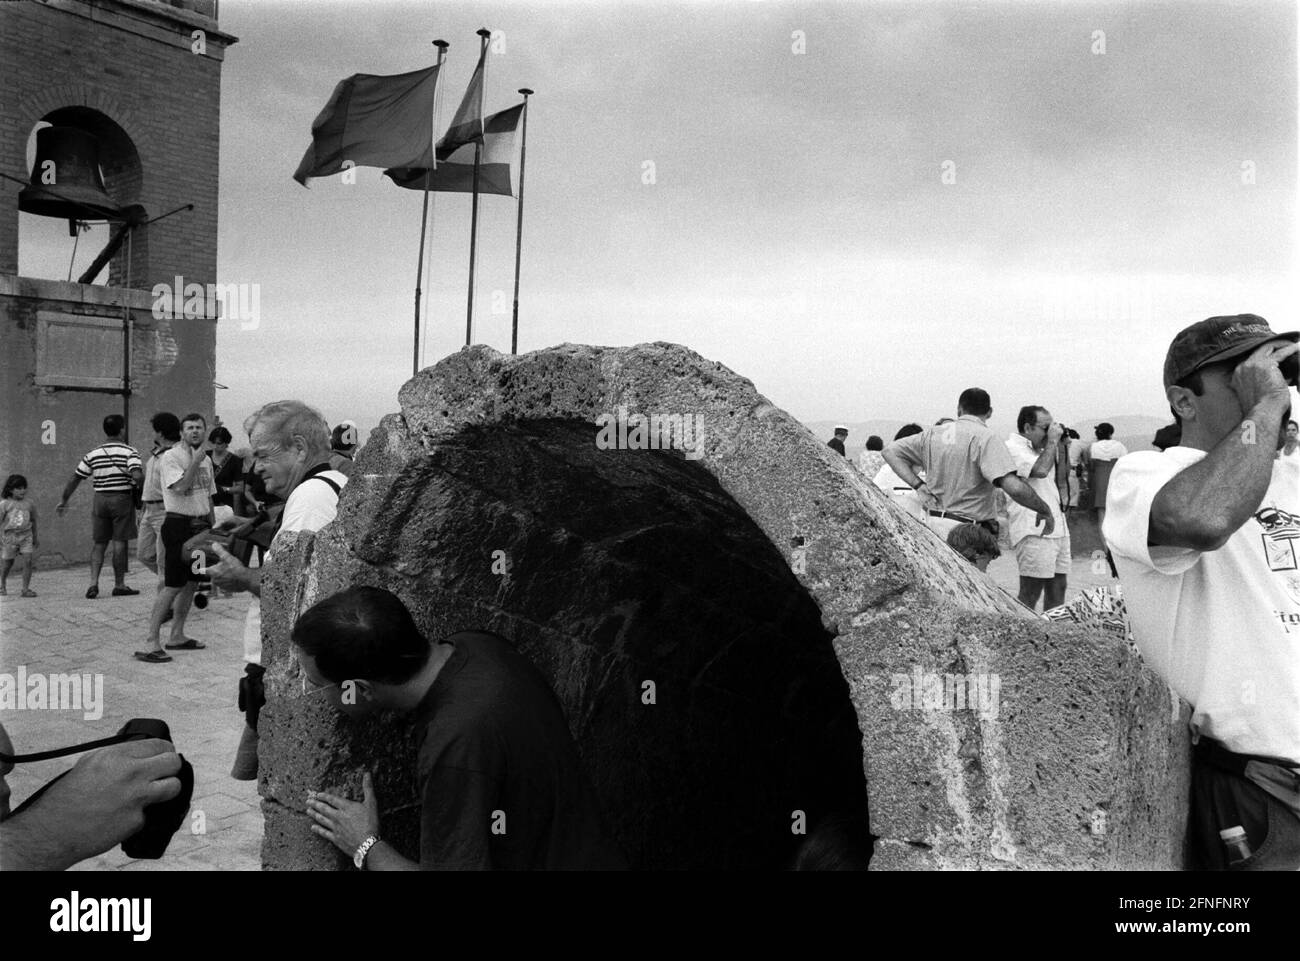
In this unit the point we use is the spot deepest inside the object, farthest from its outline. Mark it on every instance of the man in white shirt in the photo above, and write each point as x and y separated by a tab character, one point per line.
291	449
1042	557
1204	536
187	485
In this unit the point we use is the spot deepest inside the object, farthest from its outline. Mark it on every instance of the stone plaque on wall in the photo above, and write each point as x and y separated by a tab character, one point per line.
76	350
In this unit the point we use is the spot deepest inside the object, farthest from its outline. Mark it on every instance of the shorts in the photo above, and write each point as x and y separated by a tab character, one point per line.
1262	798
112	516
13	543
178	566
1043	557
149	548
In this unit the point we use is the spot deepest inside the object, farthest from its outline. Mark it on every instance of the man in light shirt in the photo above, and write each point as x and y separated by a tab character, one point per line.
963	463
291	451
1204	536
187	485
1043	558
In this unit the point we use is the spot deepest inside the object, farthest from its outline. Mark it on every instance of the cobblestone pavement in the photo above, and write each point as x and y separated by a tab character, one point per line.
60	632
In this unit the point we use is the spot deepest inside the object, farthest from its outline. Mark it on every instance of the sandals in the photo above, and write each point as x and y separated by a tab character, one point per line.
189	644
28	592
153	657
123	591
92	592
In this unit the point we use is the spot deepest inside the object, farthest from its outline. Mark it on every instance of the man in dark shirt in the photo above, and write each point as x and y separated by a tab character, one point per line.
501	782
836	443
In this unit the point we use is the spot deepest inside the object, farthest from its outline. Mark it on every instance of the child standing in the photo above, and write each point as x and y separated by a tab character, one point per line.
17	531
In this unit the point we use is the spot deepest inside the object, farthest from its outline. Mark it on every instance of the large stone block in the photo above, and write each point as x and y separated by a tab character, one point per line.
739	629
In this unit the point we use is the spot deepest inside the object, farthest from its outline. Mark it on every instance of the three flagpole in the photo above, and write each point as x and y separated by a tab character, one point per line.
486	35
442	46
519	228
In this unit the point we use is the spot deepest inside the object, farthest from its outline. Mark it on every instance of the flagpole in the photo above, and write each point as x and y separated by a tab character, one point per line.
442	46
485	34
519	229
424	216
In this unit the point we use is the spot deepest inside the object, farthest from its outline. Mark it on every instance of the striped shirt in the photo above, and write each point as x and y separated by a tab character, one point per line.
110	465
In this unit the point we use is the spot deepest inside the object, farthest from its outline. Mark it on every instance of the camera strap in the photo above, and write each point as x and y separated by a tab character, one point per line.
75	749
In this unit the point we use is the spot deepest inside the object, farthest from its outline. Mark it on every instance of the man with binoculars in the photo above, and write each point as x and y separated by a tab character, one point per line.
1210	566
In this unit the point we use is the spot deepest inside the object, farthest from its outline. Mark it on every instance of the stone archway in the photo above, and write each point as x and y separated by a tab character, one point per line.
786	611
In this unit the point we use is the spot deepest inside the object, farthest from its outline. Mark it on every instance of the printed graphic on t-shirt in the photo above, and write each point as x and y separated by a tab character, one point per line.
1281	531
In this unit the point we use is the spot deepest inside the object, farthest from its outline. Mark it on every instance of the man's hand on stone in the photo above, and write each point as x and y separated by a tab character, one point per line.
345	823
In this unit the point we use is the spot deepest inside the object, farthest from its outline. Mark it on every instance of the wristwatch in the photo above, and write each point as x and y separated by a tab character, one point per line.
359	859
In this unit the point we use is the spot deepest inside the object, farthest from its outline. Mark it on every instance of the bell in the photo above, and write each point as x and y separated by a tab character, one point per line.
66	182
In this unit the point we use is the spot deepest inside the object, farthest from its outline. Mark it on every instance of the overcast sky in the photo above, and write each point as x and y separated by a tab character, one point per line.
799	229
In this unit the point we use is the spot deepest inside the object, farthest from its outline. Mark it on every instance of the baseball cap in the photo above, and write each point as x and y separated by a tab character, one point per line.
1217	339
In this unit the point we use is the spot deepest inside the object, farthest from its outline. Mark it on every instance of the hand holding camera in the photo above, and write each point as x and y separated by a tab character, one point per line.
1267	375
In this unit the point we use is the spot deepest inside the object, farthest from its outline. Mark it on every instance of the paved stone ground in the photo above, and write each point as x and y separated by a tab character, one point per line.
60	632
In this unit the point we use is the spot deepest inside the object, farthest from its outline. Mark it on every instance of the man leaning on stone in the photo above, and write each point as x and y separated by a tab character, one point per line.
1204	537
501	783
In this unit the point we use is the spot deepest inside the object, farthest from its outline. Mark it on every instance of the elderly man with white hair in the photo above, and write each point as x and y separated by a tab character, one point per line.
291	453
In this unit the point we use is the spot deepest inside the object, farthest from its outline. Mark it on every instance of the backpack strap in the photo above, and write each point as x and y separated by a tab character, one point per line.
338	491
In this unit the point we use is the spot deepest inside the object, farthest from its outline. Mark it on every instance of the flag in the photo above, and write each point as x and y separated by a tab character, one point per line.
467	124
373	121
455	171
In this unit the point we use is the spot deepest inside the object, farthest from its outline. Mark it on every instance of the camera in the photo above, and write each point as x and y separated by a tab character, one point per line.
161	819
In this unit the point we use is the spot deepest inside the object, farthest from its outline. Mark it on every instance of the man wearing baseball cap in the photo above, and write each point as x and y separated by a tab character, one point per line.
836	443
1206	539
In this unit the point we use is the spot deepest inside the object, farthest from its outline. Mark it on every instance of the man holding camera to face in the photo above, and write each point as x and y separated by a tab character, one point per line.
1204	536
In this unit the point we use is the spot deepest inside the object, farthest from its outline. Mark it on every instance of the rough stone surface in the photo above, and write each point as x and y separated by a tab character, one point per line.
773	598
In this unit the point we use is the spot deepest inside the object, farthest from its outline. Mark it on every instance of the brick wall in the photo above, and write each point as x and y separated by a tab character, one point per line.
125	68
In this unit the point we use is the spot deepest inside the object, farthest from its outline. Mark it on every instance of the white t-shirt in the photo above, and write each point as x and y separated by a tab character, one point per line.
311	505
1076	449
172	465
1222	627
1107	450
1021	521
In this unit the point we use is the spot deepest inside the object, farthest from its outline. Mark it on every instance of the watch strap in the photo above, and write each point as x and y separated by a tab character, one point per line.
359	859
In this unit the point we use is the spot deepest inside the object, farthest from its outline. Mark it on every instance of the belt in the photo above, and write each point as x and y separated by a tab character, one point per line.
151	502
1213	752
957	517
188	517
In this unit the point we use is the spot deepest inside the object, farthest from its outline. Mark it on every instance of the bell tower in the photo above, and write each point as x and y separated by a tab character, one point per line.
123	98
